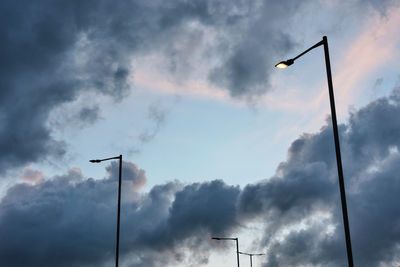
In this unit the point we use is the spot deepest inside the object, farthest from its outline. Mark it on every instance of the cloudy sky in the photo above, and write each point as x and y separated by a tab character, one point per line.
215	140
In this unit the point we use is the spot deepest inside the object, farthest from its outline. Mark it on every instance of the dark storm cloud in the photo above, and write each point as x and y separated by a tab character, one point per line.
190	216
70	220
374	219
251	57
53	51
38	71
305	187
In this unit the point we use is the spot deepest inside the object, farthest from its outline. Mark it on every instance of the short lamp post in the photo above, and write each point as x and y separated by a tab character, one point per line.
286	63
237	245
251	256
119	200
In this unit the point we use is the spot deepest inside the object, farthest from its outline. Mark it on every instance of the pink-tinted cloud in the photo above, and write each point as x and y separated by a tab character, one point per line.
31	176
375	48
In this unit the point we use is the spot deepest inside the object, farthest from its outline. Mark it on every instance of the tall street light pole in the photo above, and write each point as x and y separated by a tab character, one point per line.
237	245
286	63
119	201
251	256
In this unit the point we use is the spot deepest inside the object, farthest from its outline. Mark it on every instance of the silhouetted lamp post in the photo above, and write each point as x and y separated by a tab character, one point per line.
251	256
286	63
119	201
237	245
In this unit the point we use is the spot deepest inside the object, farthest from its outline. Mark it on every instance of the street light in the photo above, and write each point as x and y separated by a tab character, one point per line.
119	200
251	256
237	245
284	64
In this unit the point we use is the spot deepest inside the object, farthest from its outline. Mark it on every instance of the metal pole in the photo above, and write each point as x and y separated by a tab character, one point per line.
251	260
338	156
237	250
119	210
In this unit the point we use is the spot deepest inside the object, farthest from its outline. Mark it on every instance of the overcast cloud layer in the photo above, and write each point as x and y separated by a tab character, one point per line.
69	220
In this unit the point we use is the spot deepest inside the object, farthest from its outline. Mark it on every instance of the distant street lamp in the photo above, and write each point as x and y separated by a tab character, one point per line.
119	200
237	245
286	63
251	256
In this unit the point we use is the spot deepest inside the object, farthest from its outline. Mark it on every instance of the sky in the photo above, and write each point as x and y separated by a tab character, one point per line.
215	140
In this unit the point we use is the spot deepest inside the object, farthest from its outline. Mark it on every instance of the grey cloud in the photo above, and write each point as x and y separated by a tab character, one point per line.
305	187
374	219
373	129
37	74
47	222
251	58
376	213
307	248
89	114
157	115
70	220
78	115
214	206
132	174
